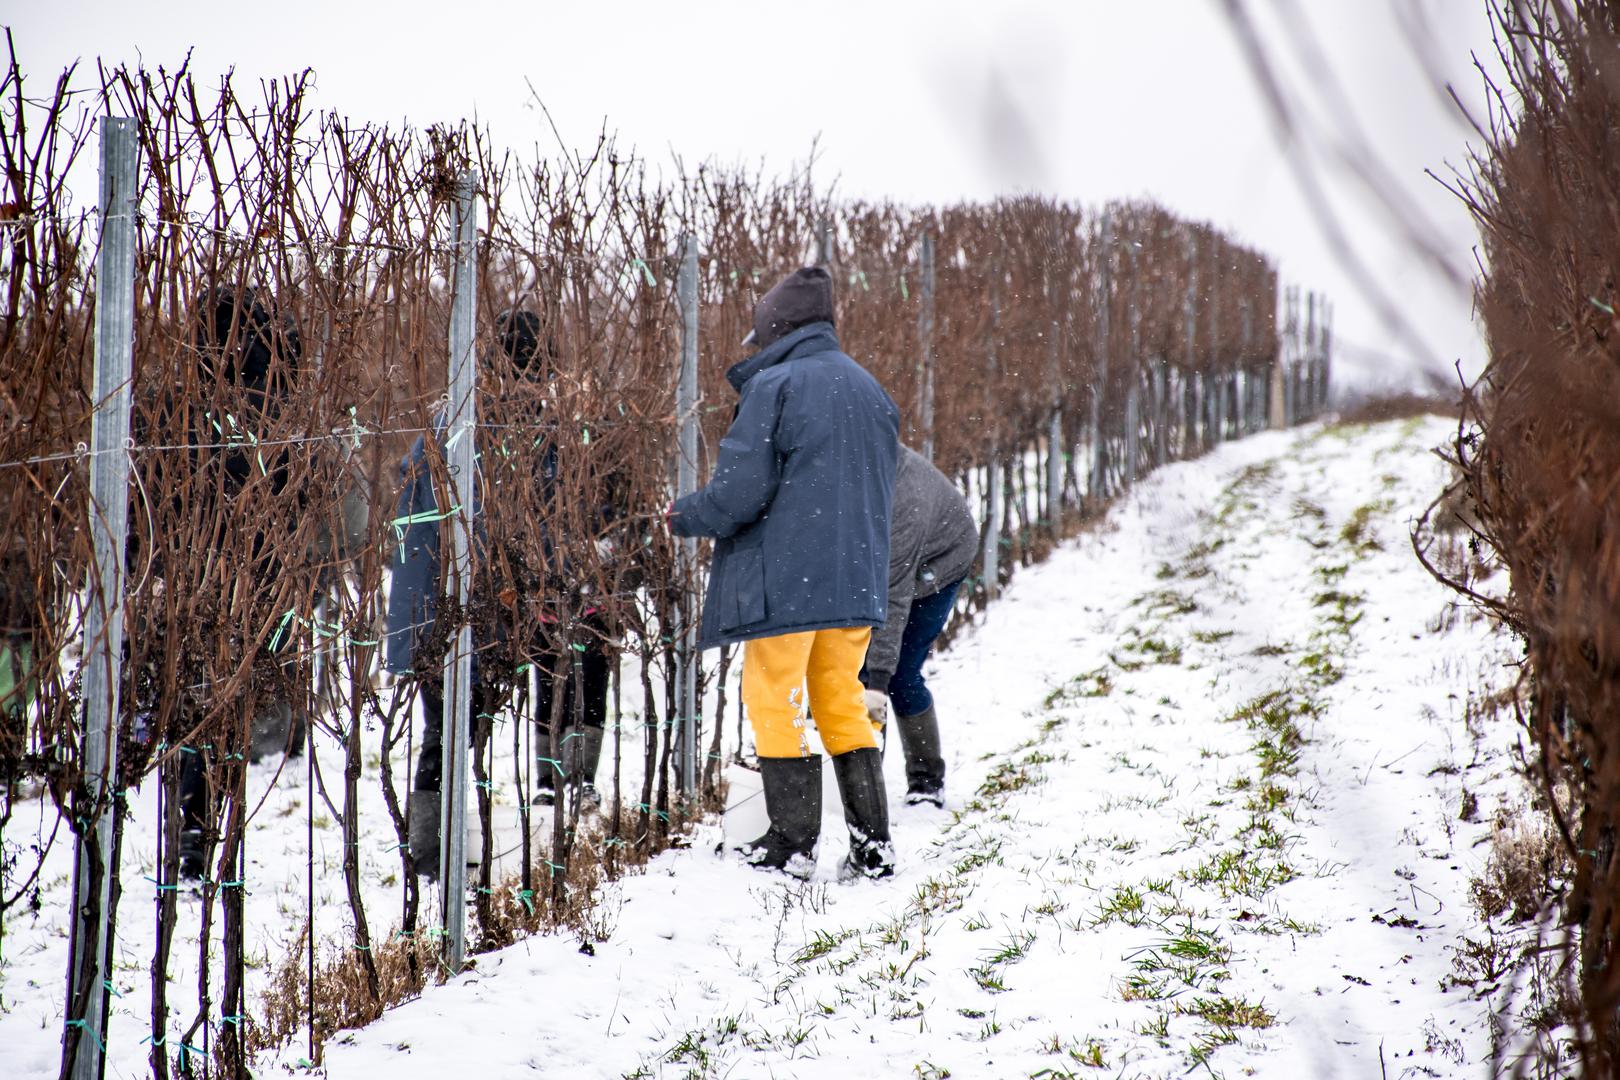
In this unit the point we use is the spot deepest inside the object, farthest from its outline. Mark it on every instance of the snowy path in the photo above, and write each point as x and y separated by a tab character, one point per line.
1206	766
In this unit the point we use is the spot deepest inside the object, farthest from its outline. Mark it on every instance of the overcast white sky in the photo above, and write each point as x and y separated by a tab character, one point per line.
926	100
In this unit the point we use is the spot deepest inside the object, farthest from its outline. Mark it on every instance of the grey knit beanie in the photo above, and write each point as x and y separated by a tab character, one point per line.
803	297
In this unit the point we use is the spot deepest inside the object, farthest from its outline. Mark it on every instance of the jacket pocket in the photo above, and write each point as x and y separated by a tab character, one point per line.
744	601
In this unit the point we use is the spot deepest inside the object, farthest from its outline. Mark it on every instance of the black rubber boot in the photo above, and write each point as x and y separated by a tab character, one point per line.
925	767
581	754
272	732
793	803
547	770
424	833
193	848
193	815
866	812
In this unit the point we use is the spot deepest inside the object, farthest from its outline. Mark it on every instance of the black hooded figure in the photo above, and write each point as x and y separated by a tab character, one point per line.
240	343
413	608
585	666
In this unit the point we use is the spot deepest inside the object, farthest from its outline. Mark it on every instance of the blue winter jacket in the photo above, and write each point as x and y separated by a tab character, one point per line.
416	585
800	499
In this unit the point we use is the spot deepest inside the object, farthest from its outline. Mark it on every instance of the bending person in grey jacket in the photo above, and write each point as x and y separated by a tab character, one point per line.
932	546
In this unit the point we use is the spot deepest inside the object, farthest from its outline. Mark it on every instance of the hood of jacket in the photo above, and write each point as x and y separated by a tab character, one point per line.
811	338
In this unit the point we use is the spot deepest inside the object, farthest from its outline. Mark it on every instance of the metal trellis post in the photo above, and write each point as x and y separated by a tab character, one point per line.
1054	471
1054	423
1189	380
1214	378
686	397
1133	388
1326	345
1289	349
992	530
825	243
1277	406
1296	353
925	339
1311	357
1156	407
84	1044
1245	371
460	456
991	536
1099	389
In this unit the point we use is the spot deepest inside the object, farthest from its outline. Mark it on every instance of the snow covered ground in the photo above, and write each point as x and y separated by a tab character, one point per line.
1207	765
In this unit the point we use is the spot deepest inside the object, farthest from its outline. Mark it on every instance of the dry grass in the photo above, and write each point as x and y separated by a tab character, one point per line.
1525	871
587	907
1377	410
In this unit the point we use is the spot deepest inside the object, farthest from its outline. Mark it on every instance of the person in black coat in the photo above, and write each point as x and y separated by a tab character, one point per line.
413	599
242	343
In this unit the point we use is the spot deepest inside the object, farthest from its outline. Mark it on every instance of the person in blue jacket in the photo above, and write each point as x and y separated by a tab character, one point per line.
799	507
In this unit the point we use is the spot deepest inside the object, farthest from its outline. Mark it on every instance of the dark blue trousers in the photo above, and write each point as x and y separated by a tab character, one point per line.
907	691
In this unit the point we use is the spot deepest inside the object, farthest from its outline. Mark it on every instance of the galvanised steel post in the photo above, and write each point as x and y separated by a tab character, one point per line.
1215	379
1291	357
1316	359
925	357
686	398
992	526
1054	423
84	1040
1246	369
1161	412
1189	381
1277	411
1099	445
460	446
825	243
1056	452
1133	388
1326	346
992	530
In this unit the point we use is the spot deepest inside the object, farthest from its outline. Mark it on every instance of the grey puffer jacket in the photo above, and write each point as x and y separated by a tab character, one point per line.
800	498
932	545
